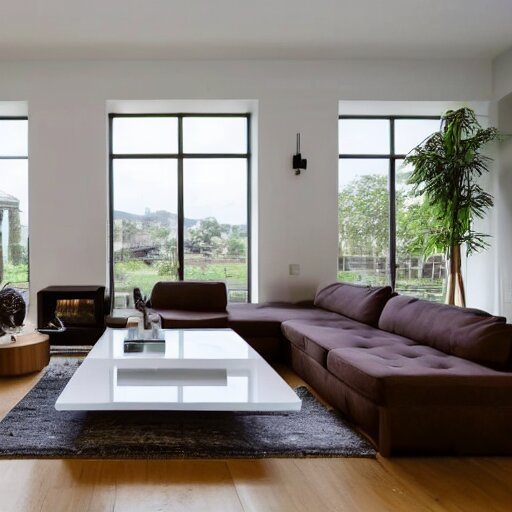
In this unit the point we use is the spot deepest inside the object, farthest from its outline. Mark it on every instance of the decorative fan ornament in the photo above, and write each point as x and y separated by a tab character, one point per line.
12	309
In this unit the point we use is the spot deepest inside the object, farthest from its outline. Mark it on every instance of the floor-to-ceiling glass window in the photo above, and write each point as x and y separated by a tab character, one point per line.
179	201
14	264
380	219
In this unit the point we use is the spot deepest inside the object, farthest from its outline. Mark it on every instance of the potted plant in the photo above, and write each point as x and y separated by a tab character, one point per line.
446	167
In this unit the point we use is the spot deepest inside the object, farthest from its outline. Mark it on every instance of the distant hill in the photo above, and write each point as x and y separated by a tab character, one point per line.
160	216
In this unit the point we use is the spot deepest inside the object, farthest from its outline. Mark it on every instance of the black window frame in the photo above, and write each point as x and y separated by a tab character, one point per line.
391	157
17	157
180	156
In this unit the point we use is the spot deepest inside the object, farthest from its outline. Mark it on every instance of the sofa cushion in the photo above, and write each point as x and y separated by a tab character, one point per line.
362	303
189	295
468	333
317	338
401	374
264	320
179	319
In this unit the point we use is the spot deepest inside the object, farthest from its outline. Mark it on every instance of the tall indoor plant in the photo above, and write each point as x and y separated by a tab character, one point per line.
446	167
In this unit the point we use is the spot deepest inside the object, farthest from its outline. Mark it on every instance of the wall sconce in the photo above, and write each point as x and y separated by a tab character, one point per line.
299	163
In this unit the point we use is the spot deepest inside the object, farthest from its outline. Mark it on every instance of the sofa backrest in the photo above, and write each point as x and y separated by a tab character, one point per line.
468	333
361	303
189	295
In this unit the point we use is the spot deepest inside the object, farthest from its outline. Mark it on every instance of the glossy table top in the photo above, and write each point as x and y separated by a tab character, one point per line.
188	369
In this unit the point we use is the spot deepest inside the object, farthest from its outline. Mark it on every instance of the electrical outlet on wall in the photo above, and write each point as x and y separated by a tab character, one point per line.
507	291
294	269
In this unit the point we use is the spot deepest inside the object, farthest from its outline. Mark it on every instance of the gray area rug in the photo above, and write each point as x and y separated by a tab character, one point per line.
34	429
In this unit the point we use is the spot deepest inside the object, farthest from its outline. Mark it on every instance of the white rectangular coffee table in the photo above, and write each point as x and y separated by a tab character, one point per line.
189	370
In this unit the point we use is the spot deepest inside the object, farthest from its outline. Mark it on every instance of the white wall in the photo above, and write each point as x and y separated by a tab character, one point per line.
502	75
480	269
502	86
504	209
297	214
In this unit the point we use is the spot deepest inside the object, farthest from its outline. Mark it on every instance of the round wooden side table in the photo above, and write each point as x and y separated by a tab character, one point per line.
29	353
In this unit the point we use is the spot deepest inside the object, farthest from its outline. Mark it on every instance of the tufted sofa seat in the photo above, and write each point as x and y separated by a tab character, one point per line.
429	378
404	374
317	338
260	324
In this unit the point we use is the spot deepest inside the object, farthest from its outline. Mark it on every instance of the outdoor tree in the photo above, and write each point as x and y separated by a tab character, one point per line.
159	234
363	212
363	216
205	235
15	249
235	245
225	229
413	218
237	230
129	230
168	266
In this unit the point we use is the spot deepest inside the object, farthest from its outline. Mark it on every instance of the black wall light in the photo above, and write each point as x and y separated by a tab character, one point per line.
299	163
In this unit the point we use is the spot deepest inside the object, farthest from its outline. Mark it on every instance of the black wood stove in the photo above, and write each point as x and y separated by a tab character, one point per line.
80	309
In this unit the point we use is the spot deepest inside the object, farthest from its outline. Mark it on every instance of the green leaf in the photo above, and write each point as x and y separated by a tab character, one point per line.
446	166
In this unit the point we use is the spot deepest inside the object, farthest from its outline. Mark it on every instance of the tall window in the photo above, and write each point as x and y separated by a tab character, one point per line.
179	201
14	201
380	220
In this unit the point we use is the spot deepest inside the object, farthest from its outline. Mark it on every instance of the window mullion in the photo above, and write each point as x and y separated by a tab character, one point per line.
249	219
181	213
392	205
111	210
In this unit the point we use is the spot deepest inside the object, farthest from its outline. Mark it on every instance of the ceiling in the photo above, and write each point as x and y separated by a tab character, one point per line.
257	29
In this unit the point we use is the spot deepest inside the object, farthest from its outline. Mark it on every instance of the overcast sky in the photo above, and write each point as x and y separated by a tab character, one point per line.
215	187
212	188
371	136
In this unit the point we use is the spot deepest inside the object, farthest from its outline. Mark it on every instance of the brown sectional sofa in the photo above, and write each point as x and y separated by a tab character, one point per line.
416	377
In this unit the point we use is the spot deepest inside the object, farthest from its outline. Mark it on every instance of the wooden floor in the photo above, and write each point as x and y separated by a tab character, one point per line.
454	484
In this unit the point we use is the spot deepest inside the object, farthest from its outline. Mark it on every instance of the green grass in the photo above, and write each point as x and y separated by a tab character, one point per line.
136	274
235	273
430	289
363	278
16	274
